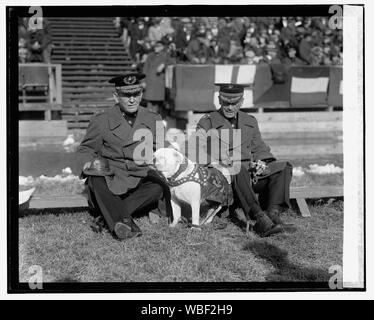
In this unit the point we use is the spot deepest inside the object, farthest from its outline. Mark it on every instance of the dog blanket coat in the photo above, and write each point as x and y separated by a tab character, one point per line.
214	186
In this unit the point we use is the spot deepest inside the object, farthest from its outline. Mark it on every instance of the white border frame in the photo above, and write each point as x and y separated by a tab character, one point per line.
351	270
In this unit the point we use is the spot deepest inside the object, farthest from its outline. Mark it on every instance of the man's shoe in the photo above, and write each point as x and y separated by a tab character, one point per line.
264	227
274	215
274	230
123	231
127	229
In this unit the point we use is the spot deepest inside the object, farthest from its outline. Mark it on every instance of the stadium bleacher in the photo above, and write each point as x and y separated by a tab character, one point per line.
90	52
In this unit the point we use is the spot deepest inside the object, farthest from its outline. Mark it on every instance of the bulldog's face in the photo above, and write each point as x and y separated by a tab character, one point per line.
167	161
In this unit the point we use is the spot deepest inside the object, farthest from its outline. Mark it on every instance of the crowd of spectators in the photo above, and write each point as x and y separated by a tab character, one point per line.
214	40
34	45
234	40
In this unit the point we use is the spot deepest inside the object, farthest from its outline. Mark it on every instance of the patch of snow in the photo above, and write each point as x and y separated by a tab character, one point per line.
326	169
69	140
58	178
298	172
70	145
25	181
67	171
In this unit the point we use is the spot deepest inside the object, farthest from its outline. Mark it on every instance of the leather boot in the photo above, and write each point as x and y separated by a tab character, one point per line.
126	229
264	227
274	214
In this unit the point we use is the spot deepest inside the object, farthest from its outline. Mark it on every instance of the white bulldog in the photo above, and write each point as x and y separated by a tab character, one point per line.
189	183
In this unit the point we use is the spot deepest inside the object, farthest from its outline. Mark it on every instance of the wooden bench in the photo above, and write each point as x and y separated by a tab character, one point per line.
298	193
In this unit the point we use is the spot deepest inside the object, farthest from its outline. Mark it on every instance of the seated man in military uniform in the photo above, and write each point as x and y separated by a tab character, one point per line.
271	179
123	186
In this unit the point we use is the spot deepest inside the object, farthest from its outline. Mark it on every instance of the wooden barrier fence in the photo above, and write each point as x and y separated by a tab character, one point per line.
297	193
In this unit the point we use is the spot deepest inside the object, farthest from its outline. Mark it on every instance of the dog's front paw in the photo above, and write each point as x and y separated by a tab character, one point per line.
196	227
173	224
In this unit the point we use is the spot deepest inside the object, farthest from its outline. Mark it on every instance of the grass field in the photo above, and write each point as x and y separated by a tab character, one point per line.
69	251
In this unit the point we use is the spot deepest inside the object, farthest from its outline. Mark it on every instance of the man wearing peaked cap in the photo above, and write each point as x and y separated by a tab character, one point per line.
273	177
129	187
129	82
231	96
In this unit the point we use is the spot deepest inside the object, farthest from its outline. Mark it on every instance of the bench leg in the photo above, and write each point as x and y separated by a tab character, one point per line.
48	115
303	207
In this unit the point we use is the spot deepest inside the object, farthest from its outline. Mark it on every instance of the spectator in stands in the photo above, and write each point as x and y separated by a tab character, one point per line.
155	31
246	38
154	70
235	54
177	23
272	54
138	32
197	50
250	57
209	22
22	50
289	32
223	35
48	45
117	24
237	27
126	24
166	27
305	48
214	29
22	28
316	56
182	37
326	61
215	56
292	59
39	46
254	45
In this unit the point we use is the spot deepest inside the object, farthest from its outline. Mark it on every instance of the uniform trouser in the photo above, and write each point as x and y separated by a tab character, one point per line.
115	208
272	190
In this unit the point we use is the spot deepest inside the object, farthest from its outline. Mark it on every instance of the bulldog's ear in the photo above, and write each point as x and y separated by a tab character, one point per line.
178	156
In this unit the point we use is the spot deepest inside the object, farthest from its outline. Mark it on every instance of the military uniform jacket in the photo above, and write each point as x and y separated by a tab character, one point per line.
111	136
251	147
